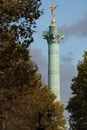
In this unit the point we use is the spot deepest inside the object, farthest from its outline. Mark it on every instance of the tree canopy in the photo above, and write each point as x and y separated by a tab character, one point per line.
77	105
19	19
23	95
15	66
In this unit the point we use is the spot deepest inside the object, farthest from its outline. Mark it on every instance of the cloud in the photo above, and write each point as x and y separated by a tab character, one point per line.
41	62
78	29
67	58
67	72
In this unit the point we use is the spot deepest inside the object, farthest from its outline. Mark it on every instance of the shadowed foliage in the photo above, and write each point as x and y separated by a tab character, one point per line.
23	95
18	18
77	105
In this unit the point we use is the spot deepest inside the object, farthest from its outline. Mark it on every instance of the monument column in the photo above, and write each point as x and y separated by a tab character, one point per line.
53	37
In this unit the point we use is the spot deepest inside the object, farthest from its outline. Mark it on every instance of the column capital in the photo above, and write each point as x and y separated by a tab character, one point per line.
53	38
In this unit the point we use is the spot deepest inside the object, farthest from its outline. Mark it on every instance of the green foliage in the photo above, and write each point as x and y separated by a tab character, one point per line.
19	19
77	105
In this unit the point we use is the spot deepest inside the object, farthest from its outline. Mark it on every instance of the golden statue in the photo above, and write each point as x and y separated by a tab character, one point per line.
53	7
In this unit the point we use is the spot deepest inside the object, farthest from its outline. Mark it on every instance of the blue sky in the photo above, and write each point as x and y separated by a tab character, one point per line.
71	18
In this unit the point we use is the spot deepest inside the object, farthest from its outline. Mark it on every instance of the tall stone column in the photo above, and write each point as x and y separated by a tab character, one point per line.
53	37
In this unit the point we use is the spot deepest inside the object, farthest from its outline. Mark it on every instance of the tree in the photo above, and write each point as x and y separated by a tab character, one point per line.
19	19
77	104
15	66
23	94
17	70
25	109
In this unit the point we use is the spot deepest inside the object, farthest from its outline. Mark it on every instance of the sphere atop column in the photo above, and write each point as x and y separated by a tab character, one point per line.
53	21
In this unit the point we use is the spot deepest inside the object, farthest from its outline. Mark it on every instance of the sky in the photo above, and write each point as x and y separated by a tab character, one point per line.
71	18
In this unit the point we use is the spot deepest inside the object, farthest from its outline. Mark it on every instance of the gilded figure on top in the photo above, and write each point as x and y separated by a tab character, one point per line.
53	7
